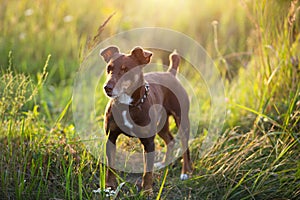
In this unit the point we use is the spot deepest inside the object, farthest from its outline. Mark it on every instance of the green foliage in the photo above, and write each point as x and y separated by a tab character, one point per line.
17	90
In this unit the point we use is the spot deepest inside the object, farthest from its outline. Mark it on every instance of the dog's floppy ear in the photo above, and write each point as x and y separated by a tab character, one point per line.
109	52
141	55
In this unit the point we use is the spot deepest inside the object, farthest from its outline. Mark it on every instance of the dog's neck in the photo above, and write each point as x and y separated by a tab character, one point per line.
138	97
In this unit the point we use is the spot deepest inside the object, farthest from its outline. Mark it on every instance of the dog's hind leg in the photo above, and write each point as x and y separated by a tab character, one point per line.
165	134
183	126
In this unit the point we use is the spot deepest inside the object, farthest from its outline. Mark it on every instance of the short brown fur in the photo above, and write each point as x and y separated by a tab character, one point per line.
118	65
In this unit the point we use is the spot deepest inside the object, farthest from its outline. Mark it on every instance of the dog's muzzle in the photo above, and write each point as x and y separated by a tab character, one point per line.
109	89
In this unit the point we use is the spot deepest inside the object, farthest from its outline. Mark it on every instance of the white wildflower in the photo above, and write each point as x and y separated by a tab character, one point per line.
68	18
28	12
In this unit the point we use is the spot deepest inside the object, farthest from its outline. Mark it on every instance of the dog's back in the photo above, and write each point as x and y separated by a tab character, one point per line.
166	84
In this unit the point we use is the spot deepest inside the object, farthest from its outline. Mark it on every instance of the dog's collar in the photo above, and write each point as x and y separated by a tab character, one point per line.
144	97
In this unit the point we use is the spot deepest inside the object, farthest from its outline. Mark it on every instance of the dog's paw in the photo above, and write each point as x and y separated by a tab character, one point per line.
148	193
108	192
159	165
184	177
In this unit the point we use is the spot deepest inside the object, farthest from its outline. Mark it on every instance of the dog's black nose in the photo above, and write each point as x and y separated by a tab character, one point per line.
108	89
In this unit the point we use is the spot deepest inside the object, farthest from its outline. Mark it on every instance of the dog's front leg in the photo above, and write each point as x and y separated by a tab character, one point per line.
111	156
149	148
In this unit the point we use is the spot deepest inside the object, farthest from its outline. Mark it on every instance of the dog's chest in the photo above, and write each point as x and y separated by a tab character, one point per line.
128	123
135	117
132	122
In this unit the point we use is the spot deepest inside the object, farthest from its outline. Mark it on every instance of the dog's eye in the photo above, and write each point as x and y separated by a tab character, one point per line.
124	68
109	68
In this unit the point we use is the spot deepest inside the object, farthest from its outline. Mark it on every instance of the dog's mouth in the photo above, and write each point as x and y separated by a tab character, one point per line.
114	94
111	94
120	96
110	91
117	90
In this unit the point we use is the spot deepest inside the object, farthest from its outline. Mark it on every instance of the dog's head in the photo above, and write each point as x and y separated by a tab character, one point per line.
123	70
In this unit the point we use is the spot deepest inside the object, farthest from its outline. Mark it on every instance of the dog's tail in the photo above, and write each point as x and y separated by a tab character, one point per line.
174	62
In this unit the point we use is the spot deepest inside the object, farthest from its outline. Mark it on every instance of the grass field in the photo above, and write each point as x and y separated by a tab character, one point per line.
255	45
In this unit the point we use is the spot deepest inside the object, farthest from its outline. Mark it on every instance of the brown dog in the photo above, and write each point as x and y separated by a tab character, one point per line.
131	110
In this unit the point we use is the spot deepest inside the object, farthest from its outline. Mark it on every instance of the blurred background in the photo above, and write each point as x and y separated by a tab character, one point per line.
231	32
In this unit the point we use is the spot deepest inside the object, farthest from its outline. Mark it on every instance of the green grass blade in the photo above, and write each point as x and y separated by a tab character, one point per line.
162	183
63	113
258	114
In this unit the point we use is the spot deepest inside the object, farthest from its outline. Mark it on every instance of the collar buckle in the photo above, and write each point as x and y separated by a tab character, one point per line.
144	97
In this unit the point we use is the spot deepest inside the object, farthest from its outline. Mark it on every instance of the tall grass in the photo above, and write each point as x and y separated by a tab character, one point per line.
259	159
255	45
